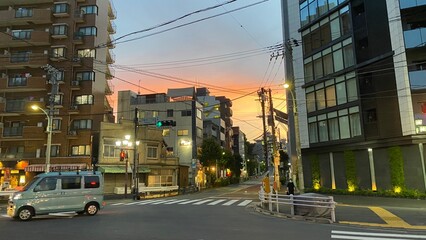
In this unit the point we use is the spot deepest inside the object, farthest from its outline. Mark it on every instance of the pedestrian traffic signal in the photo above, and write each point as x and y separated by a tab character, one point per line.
122	155
165	123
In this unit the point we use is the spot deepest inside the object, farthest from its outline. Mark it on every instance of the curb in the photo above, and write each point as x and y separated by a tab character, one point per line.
258	209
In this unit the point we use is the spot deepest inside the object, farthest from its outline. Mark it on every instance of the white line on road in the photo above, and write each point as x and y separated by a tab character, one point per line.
373	236
229	203
148	202
245	203
191	201
177	201
201	202
164	201
217	201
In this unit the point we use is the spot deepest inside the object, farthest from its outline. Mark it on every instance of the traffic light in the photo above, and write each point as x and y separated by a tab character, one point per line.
165	123
122	155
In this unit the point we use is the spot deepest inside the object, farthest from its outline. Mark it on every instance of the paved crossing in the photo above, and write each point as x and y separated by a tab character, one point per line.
373	235
195	202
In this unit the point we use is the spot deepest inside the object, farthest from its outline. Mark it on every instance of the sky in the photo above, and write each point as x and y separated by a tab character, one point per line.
229	52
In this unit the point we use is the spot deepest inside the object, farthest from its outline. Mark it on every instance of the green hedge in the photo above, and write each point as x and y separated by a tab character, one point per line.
396	164
316	173
405	193
350	167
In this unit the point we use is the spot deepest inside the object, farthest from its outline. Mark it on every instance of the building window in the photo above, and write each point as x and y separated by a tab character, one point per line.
54	150
166	132
80	150
169	112
199	114
336	125
152	152
21	34
199	132
86	53
59	52
21	56
60	29
160	178
15	105
88	31
23	12
58	99
56	124
82	124
186	113
85	76
89	9
110	150
183	132
84	99
60	8
17	82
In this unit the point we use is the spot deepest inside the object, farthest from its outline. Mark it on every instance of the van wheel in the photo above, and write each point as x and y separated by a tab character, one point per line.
91	209
25	214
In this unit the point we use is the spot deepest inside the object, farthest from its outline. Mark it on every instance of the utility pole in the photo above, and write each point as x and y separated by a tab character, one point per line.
262	98
54	91
135	158
275	154
294	140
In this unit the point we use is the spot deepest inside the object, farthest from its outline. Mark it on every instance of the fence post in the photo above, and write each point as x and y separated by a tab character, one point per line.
292	204
333	212
270	201
278	208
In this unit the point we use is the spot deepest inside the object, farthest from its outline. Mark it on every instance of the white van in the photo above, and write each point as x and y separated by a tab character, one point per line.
53	192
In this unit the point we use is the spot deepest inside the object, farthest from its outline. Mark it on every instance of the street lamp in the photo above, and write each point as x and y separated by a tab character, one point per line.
294	138
126	144
49	135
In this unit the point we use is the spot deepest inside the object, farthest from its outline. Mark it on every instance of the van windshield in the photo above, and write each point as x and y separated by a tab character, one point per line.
30	183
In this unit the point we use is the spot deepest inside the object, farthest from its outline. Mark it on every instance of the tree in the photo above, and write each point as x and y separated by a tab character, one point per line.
210	152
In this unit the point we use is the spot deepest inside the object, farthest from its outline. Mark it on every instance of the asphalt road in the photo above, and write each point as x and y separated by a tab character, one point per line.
225	213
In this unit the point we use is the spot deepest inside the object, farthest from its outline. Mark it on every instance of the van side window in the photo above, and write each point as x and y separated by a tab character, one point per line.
46	184
91	182
71	182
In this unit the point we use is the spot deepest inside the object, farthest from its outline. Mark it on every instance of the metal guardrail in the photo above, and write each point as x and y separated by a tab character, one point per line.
298	200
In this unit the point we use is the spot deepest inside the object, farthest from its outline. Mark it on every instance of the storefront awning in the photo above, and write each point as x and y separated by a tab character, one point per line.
56	167
121	169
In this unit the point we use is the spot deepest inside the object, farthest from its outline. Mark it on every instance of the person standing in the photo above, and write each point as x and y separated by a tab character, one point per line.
290	187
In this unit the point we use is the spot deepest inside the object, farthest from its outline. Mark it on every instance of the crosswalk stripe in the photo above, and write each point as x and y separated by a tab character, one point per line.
191	201
372	236
217	201
201	202
164	201
132	203
245	203
147	202
229	203
117	204
177	201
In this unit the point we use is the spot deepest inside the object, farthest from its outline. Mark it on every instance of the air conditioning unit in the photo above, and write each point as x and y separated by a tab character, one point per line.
72	133
75	83
73	107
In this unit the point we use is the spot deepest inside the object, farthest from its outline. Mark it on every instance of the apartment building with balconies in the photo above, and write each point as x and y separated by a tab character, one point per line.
75	38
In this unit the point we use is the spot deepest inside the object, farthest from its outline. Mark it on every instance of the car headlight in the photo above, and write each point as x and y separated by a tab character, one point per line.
17	196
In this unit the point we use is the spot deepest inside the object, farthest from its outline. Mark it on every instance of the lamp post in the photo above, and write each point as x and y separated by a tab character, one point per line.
294	136
126	144
49	135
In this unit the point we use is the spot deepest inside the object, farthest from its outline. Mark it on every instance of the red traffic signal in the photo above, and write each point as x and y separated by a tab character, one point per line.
122	155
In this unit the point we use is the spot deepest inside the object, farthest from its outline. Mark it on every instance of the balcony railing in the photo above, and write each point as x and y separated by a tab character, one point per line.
417	79
22	39
411	3
415	38
25	17
23	60
12	131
